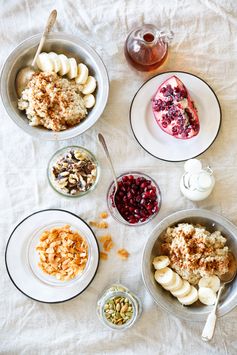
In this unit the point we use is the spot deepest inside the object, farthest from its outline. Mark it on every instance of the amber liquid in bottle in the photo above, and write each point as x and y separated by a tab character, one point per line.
147	54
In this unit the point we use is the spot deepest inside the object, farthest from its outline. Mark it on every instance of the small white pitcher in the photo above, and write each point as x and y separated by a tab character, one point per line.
197	182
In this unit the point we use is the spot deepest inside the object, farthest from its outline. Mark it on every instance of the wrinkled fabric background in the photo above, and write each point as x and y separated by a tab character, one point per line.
205	44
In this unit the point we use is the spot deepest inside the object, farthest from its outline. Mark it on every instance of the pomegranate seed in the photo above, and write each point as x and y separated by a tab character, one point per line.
143	185
149	206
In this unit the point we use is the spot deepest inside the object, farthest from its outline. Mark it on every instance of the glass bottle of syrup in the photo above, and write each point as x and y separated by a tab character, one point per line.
146	47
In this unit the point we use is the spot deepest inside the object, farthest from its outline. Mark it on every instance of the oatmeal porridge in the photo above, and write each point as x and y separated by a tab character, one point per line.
194	252
52	102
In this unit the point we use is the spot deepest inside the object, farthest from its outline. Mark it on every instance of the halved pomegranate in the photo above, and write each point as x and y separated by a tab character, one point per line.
174	109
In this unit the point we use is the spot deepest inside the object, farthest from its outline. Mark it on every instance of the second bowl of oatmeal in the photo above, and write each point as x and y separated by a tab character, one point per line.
55	123
73	171
217	230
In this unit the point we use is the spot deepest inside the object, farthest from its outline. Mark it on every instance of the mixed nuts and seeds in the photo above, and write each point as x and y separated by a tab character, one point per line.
74	172
118	310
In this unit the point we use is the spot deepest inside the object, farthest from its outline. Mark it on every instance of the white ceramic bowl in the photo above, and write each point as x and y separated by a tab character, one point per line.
196	312
71	46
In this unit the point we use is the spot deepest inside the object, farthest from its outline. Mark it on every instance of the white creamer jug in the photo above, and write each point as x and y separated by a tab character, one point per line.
197	182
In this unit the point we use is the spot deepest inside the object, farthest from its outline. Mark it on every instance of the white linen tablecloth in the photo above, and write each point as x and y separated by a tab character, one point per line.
205	44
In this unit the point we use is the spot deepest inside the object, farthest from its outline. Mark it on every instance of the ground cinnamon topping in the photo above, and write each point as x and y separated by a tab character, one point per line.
52	101
194	252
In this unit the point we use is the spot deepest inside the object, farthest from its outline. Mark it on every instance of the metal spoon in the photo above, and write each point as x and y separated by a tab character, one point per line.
24	75
209	327
104	145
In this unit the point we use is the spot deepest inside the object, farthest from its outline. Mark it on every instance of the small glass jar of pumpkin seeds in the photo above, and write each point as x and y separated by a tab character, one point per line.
118	307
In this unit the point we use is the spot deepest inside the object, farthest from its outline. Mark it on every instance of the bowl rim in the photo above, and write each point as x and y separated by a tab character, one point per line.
63	150
123	221
154	235
69	133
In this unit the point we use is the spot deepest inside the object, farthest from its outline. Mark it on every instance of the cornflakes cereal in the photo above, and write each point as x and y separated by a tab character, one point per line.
100	225
103	255
104	215
63	253
123	253
107	242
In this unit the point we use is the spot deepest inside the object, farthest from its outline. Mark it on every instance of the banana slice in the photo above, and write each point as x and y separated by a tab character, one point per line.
65	66
190	298
165	277
212	282
89	86
160	262
177	284
73	68
183	290
89	100
45	63
82	75
56	61
206	295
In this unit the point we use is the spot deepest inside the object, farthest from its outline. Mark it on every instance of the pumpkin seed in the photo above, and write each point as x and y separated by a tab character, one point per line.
124	308
118	310
118	307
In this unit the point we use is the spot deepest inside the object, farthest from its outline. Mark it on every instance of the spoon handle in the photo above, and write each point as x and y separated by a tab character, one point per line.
48	27
209	327
104	145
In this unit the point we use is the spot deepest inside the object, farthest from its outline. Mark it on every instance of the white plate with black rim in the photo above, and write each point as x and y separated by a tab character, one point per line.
22	258
162	145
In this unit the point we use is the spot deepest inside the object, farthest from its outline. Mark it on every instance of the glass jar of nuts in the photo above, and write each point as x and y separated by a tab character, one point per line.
73	171
118	308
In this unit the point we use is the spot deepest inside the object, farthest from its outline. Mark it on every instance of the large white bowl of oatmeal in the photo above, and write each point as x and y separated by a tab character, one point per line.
197	243
52	107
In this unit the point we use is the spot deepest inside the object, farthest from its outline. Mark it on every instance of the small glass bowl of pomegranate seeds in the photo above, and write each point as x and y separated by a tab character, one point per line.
137	199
